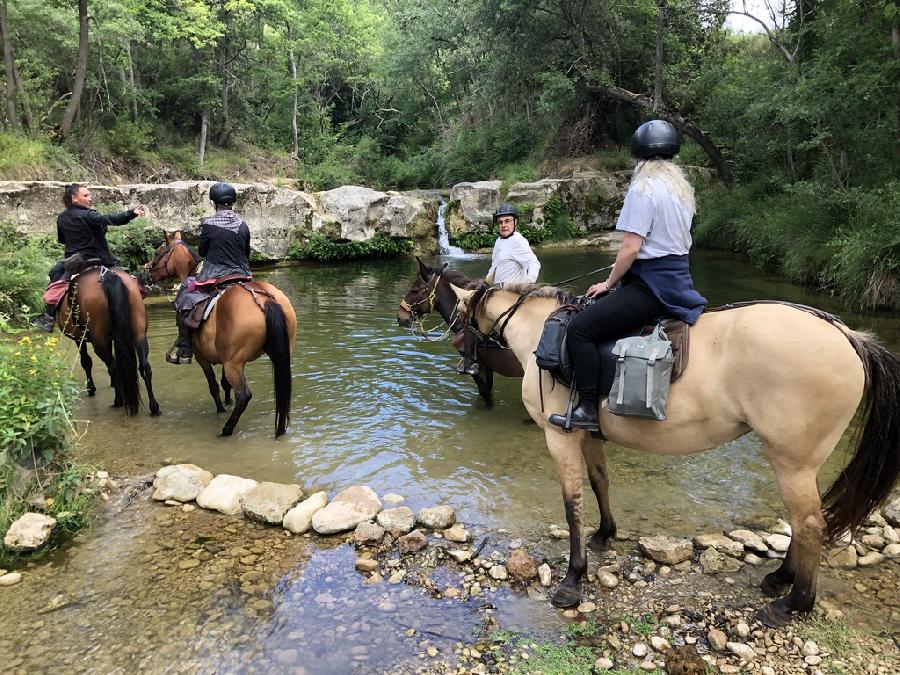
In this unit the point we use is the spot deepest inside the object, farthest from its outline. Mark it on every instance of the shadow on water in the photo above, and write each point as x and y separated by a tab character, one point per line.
372	405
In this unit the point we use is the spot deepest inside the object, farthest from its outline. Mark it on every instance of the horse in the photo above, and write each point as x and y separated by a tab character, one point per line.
794	375
430	291
104	306
249	319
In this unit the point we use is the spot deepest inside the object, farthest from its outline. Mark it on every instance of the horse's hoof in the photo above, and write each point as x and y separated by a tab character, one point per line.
567	595
774	615
600	542
220	409
226	431
772	587
154	412
91	392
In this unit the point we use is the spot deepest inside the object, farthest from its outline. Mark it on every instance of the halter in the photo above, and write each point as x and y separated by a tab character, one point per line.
480	294
420	329
163	262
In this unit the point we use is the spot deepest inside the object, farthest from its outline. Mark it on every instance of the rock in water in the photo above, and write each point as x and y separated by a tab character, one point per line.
666	550
182	482
412	542
521	565
750	540
29	532
892	513
721	543
457	533
224	492
268	502
368	531
436	517
10	579
299	519
353	506
400	519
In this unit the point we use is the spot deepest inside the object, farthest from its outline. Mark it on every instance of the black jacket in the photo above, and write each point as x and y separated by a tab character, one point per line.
83	231
224	245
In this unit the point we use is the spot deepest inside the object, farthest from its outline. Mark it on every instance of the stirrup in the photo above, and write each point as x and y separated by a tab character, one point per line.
176	357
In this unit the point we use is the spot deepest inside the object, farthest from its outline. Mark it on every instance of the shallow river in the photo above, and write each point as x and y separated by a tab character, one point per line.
153	589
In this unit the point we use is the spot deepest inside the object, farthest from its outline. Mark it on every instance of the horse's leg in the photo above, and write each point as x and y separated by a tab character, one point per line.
234	371
484	380
106	355
143	352
87	364
211	381
595	459
226	387
800	493
566	452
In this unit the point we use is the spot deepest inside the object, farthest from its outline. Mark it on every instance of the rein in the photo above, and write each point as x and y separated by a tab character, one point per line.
420	329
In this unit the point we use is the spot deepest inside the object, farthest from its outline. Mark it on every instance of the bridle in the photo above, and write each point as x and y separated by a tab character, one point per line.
163	261
431	290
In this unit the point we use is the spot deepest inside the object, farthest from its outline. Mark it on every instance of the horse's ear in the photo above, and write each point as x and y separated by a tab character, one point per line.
424	270
462	296
176	234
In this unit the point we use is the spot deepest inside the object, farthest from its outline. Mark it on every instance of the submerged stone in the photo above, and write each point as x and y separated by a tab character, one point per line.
437	517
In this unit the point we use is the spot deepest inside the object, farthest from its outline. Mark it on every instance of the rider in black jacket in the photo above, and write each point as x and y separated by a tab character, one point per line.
82	230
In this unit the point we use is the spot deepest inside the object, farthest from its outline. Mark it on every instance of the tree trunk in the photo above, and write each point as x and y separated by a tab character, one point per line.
9	67
226	112
295	147
65	126
134	103
658	70
23	99
204	132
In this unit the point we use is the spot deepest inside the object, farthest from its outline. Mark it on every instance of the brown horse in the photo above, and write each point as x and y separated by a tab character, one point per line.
793	375
248	320
431	291
105	308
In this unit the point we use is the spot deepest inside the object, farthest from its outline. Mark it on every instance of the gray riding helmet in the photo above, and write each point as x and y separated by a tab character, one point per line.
506	210
656	138
222	194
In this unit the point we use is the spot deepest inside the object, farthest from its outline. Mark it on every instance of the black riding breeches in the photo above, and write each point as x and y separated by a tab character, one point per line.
625	310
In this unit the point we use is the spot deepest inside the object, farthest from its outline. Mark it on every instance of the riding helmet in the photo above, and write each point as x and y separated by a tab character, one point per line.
506	210
656	138
222	194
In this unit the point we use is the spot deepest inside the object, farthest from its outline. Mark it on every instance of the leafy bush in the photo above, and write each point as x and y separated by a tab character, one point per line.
133	244
129	139
317	247
24	263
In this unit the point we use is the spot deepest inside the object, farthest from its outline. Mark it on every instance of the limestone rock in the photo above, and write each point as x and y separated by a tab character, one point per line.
778	542
498	572
721	543
603	664
472	206
366	564
873	541
10	579
269	502
299	519
844	558
713	561
392	498
412	542
659	644
666	550
891	551
718	641
182	482
740	649
607	579
348	509
890	535
460	555
640	650
399	519
356	208
368	531
870	559
436	517
545	574
456	533
29	532
750	540
892	513
521	565
224	492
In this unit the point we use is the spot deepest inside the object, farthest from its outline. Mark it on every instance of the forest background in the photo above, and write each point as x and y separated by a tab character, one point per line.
800	120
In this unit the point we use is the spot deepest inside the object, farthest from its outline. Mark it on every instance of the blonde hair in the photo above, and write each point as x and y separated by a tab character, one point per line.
670	174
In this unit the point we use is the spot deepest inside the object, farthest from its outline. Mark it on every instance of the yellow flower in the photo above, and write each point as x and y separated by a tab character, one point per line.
33	358
50	501
32	371
24	340
18	354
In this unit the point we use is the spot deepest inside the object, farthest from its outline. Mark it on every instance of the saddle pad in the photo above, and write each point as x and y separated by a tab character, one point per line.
55	292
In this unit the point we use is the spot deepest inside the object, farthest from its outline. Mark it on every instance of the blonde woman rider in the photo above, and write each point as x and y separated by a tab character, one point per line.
650	275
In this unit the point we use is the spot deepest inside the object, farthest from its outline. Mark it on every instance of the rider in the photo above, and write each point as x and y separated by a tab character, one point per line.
82	230
225	247
512	261
650	275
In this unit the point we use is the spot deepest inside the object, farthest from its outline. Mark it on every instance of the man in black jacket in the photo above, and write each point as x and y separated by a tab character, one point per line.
82	230
225	248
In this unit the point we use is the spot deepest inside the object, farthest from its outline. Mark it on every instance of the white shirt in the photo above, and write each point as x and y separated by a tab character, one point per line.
512	260
656	214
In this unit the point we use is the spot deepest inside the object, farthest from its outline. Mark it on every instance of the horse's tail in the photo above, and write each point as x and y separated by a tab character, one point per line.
875	467
123	346
279	352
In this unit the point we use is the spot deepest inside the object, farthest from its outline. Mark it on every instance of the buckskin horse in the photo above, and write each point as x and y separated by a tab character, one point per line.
104	306
248	320
794	375
430	291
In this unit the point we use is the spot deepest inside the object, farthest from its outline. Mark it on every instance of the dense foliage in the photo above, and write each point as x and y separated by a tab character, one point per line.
415	93
24	263
317	247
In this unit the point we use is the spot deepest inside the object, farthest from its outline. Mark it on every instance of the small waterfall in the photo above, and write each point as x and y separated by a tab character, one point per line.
444	247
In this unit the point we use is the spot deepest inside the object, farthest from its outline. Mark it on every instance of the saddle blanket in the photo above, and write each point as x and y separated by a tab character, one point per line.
57	290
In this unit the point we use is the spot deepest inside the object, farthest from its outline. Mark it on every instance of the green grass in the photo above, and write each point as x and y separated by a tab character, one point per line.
556	660
26	158
642	625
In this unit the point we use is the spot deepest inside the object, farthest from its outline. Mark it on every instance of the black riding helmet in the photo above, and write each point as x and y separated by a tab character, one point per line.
506	210
656	138
222	194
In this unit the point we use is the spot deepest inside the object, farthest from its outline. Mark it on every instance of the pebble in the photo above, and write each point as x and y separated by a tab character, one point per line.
767	670
742	630
659	644
740	649
870	559
187	564
640	650
587	607
498	572
607	580
10	579
366	564
544	574
813	660
603	664
717	640
432	651
809	648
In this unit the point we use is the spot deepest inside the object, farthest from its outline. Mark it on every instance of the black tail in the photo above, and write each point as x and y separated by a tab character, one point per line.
279	352
124	348
874	469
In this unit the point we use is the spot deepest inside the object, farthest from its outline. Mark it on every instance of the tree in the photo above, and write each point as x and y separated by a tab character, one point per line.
68	118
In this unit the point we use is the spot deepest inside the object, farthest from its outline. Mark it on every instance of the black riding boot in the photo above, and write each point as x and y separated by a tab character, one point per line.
584	416
181	353
46	320
468	365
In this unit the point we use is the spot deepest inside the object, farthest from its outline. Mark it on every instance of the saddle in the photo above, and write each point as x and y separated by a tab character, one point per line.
199	303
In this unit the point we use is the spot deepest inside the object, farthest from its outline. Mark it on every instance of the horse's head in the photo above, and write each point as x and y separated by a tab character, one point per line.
469	305
420	299
171	259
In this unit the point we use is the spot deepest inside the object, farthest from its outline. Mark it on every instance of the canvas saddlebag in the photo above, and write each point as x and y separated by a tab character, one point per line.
643	373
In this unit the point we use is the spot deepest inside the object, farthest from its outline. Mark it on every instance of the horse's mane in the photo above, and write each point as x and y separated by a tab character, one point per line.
536	291
459	279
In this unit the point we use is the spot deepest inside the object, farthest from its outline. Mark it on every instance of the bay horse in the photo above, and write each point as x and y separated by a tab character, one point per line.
105	307
248	320
430	291
793	375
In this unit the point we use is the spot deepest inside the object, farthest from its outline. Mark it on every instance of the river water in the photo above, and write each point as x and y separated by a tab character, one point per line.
372	405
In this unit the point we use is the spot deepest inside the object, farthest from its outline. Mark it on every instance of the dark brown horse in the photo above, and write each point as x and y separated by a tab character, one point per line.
105	308
431	291
248	320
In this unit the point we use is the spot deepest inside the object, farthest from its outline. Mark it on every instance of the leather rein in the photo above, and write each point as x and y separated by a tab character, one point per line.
431	290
